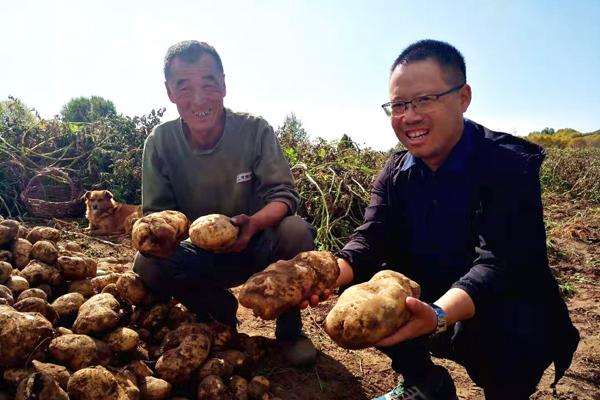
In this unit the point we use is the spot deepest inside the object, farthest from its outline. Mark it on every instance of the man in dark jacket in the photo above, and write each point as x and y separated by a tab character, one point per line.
460	213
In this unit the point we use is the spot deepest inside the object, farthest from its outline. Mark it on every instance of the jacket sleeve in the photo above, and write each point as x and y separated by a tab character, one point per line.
511	249
275	180
369	245
157	193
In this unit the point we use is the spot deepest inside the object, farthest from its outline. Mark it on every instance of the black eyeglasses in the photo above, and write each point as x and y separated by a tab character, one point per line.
421	104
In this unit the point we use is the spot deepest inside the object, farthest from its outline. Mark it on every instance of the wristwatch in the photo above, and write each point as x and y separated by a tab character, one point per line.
441	324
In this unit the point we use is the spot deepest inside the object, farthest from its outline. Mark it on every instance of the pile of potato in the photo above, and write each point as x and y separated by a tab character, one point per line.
66	333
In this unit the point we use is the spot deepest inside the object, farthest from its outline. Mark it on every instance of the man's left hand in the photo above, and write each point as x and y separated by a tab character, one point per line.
248	229
422	322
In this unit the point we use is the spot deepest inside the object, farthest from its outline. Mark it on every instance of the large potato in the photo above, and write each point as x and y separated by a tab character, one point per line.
100	313
6	296
45	251
21	249
153	388
95	383
178	364
40	386
132	289
37	272
35	304
9	229
5	271
213	232
43	233
33	292
212	388
159	233
285	284
67	306
368	312
122	339
76	266
33	330
60	373
79	351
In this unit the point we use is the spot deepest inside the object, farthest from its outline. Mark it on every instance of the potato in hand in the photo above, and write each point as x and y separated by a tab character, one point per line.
213	232
370	311
159	233
284	284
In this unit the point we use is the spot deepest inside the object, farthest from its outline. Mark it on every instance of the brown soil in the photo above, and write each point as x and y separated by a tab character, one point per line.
574	250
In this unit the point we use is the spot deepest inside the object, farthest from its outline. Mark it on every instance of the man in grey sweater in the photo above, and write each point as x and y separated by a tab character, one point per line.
214	160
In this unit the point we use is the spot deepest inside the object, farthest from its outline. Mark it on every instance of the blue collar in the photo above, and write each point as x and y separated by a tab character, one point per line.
457	159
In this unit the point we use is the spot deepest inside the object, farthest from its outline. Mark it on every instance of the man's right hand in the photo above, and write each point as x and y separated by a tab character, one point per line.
345	277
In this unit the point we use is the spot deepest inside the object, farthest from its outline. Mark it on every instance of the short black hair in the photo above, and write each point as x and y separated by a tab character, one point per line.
190	51
446	55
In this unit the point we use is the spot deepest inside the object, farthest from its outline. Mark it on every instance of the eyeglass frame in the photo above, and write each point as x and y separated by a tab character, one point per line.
412	104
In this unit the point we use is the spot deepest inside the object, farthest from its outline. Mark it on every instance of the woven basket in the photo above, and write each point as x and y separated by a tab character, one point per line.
52	194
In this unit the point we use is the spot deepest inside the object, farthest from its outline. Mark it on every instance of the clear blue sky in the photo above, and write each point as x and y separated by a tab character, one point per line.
531	64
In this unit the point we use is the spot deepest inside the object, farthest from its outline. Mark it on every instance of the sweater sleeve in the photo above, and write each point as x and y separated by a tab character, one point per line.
157	192
275	180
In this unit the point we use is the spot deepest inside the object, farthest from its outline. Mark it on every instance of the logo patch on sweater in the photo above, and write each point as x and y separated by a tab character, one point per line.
244	177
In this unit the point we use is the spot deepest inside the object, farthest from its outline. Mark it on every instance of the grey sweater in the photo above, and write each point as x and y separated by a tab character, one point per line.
242	173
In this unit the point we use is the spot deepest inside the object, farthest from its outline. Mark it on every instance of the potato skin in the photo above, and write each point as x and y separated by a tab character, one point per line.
45	251
16	349
94	383
79	351
284	284
35	304
157	234
100	313
76	266
153	388
21	249
213	232
40	386
178	364
370	311
5	271
212	388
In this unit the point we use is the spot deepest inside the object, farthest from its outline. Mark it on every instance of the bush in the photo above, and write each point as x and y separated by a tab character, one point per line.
105	153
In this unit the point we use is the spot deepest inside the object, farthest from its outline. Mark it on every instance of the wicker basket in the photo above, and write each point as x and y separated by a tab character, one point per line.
52	194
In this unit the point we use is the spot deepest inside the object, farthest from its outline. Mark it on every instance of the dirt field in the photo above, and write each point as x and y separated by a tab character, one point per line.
574	249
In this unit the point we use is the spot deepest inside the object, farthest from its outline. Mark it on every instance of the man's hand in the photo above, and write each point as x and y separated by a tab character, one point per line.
345	277
248	229
314	300
422	322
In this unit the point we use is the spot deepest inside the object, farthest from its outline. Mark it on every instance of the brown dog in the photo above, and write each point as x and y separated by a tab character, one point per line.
106	216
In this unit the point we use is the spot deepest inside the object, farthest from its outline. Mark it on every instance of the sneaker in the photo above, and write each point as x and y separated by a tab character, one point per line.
299	352
436	385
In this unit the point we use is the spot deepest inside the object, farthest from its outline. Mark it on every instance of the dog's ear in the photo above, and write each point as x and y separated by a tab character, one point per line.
85	196
108	195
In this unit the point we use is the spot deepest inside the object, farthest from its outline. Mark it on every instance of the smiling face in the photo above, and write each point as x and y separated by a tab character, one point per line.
198	89
428	136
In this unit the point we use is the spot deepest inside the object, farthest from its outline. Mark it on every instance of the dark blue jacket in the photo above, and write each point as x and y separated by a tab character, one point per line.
475	224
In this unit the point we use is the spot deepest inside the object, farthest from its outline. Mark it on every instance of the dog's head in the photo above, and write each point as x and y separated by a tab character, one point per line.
98	200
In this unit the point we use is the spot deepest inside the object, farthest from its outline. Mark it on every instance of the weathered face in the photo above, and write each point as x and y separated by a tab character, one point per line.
429	136
98	200
197	89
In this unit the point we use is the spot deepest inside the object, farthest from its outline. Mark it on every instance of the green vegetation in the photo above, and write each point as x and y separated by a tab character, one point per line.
333	177
88	109
565	138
